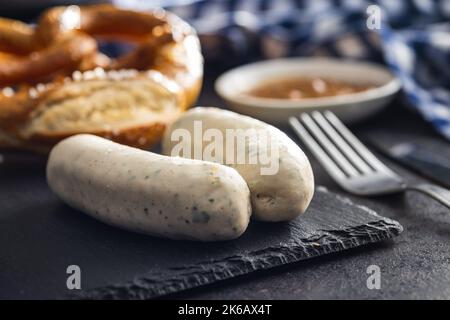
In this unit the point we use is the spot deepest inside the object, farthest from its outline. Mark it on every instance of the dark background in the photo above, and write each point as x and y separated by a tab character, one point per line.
415	265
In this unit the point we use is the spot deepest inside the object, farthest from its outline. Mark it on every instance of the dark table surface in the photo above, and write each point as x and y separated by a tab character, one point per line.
415	265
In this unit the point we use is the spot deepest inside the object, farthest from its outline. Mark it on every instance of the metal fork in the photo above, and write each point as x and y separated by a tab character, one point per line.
350	163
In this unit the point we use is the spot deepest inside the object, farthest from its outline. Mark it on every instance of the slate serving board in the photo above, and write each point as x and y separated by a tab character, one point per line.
40	237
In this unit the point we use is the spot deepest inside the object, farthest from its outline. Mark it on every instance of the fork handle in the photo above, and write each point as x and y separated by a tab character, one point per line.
440	194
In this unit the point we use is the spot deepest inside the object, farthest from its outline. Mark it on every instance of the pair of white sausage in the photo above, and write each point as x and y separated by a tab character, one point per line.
175	197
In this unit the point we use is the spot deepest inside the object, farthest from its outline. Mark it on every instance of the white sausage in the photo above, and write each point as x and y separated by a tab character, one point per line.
149	193
277	197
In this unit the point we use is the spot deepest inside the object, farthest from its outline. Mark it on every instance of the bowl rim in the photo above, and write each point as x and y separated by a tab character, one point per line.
387	89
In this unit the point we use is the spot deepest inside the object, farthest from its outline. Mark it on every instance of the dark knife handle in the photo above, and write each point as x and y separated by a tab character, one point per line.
428	166
440	194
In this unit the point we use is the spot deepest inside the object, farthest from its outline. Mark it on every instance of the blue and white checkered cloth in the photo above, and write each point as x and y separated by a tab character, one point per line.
412	38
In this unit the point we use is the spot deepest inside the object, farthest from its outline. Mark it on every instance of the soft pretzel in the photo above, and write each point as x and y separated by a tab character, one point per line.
16	37
66	54
129	99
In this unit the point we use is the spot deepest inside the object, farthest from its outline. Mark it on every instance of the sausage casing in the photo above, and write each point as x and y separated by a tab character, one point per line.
149	193
277	195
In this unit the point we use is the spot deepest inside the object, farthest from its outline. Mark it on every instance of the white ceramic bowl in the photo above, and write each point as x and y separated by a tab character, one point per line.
353	107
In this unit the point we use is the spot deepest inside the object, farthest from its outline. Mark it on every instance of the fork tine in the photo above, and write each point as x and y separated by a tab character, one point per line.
336	154
316	149
351	155
365	153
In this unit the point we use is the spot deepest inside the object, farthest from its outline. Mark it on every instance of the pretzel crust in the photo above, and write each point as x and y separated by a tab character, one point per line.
166	67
